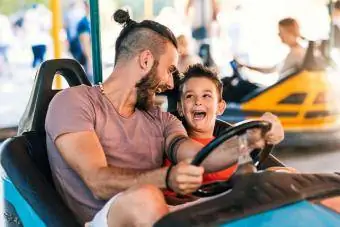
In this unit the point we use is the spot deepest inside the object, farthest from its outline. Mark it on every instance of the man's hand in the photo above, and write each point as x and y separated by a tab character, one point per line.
185	178
275	135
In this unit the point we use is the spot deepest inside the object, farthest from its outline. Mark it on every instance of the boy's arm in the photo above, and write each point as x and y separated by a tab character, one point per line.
180	147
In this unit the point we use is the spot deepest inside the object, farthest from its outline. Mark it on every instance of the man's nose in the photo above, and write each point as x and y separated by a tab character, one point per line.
170	84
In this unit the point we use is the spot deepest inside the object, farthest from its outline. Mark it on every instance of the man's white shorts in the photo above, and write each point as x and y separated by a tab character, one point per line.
100	219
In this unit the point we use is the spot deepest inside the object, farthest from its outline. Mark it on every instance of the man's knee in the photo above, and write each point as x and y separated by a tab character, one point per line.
147	197
138	206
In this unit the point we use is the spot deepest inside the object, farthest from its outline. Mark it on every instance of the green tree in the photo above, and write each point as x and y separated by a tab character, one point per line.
137	6
8	7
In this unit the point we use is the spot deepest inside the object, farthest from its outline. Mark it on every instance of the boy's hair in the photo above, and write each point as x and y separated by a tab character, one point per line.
138	36
200	71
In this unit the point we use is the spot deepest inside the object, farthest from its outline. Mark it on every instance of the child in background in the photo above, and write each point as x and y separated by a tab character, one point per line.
186	58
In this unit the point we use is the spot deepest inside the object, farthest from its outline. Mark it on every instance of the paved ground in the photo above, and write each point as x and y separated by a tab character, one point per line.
318	159
14	94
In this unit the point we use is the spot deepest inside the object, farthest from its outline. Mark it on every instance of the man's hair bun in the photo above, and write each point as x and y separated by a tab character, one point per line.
122	17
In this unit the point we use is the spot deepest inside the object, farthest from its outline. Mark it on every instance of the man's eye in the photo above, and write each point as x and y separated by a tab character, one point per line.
174	72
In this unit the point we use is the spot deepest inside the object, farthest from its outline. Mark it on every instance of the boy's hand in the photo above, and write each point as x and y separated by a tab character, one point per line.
185	178
275	135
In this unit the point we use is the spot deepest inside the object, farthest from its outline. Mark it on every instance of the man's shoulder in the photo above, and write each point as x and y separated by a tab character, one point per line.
74	91
79	92
70	107
159	117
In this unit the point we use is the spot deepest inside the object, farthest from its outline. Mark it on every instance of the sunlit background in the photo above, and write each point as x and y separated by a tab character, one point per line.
246	30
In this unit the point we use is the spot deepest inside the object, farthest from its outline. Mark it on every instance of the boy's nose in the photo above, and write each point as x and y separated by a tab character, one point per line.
198	102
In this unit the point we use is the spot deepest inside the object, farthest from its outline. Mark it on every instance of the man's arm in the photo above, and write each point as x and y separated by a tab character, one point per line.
84	153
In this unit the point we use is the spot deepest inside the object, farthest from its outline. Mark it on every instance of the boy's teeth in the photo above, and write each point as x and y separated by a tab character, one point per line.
199	115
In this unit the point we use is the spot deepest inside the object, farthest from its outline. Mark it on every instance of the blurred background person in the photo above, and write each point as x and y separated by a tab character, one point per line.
202	14
289	32
77	25
5	41
186	57
37	25
336	24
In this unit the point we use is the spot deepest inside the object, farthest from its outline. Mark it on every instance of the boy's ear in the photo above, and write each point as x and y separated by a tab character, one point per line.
179	109
221	107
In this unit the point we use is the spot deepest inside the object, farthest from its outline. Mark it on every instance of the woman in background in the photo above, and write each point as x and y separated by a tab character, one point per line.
289	32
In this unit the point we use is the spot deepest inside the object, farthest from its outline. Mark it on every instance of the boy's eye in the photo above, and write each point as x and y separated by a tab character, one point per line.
207	96
189	96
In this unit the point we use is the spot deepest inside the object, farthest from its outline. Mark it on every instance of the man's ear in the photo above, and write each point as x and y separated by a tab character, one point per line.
221	107
146	60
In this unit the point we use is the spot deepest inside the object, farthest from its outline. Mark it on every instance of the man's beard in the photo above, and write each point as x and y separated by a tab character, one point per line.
146	89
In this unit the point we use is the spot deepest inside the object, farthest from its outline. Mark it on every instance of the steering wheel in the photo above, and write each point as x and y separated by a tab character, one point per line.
218	187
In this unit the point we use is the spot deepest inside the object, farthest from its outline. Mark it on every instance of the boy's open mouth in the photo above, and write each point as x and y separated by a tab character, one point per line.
199	115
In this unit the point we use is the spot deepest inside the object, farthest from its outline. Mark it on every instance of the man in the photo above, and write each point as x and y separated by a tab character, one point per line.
106	143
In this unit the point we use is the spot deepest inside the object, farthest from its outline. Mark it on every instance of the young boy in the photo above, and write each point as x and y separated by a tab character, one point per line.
200	102
200	93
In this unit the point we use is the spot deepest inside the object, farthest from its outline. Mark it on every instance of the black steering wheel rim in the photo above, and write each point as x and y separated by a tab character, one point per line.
237	129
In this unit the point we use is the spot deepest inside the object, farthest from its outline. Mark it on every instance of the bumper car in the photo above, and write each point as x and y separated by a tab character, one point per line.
305	100
259	198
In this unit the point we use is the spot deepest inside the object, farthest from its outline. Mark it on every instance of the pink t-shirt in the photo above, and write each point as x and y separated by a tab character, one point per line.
136	142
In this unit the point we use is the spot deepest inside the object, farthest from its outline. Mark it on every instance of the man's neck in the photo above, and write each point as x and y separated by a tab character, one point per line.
120	89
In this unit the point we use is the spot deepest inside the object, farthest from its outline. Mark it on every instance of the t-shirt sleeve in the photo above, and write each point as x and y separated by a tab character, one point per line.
172	125
293	60
84	26
69	111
